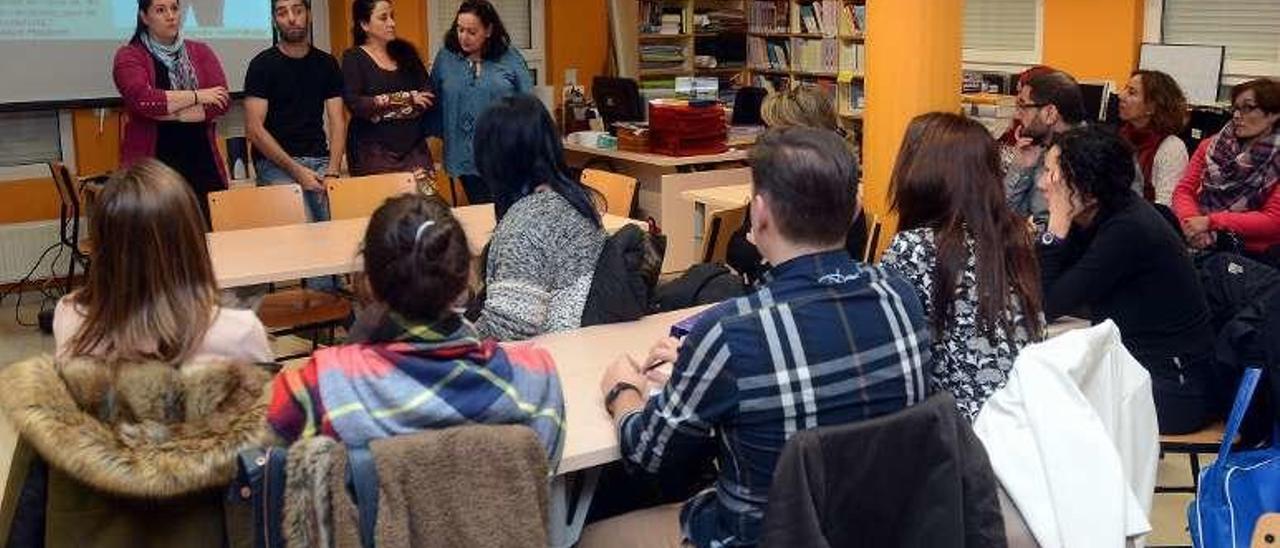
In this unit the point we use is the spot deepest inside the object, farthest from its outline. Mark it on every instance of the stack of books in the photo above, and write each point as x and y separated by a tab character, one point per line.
725	21
661	56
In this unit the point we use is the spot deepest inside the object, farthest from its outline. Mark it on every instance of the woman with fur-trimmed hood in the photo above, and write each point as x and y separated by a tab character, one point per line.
153	392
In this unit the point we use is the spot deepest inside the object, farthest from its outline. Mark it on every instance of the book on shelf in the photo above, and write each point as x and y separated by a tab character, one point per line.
853	58
819	17
672	21
860	17
720	20
814	55
769	16
768	54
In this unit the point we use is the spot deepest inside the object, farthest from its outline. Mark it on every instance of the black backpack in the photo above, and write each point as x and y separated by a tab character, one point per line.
705	283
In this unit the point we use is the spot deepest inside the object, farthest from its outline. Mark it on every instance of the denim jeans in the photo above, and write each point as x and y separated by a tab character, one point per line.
317	202
271	174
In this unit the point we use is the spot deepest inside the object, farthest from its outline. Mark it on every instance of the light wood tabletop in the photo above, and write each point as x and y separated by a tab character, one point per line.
290	252
720	197
581	356
660	160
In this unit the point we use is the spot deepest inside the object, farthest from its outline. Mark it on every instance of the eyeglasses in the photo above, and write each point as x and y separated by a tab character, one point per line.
1243	110
1029	106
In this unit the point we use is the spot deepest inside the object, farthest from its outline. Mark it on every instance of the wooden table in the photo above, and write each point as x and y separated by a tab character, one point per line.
710	200
290	252
661	181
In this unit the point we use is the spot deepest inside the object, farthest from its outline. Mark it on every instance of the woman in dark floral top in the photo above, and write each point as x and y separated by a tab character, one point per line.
969	257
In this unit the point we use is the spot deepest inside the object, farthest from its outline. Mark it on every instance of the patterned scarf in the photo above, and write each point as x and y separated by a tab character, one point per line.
415	376
1145	142
182	74
1237	179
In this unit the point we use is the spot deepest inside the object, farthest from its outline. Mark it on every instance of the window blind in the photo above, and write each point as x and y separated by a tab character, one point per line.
1250	29
516	15
1000	25
29	138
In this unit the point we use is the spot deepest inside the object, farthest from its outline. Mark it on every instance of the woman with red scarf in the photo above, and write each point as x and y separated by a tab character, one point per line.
1231	182
1154	111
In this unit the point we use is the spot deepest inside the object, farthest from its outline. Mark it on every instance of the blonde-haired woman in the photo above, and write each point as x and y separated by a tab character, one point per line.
150	293
803	106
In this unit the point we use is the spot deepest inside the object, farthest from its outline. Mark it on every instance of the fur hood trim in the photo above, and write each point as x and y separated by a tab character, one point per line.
147	430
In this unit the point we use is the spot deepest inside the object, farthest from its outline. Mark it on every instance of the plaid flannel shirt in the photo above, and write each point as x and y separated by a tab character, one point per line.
825	341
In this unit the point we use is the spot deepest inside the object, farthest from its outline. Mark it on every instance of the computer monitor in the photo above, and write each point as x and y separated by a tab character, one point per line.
1095	95
618	100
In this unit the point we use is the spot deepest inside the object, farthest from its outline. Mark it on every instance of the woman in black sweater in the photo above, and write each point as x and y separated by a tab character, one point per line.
1108	254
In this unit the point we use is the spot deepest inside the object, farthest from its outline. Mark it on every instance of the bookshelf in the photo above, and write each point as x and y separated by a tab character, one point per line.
820	43
705	38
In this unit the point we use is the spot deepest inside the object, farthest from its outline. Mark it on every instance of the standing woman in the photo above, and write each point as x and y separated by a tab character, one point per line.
1154	111
386	91
173	89
476	68
971	260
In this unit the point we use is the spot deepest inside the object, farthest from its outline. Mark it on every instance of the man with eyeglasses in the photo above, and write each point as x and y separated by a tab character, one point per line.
1047	105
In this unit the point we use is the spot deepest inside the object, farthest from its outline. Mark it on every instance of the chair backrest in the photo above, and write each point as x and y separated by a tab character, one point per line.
746	106
256	207
720	227
356	197
618	191
873	239
66	187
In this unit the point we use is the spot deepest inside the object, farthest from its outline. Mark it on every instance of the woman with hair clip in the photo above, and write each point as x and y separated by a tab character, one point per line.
173	89
798	107
150	293
543	253
417	265
153	390
1108	251
1154	111
386	89
477	66
969	257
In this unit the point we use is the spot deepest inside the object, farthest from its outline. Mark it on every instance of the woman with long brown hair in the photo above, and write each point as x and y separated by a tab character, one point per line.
1154	111
150	293
970	258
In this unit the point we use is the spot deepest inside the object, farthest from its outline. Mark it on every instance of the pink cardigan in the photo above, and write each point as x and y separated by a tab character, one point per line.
135	77
1259	229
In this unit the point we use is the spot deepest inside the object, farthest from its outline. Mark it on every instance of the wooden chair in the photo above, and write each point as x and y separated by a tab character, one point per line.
73	206
444	184
1205	441
617	191
256	207
292	310
357	197
873	239
720	227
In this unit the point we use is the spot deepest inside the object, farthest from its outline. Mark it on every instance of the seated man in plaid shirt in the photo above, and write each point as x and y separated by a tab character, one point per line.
826	340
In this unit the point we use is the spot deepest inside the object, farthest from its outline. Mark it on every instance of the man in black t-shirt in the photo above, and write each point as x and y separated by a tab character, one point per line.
289	90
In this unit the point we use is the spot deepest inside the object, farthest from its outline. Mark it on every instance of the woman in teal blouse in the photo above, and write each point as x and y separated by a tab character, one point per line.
477	67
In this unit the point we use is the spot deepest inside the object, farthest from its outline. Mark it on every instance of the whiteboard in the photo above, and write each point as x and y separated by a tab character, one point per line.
1197	68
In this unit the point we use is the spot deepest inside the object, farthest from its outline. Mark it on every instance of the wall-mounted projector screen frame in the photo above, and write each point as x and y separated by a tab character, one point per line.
56	73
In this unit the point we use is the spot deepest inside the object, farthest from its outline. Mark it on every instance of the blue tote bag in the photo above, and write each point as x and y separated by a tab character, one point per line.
1239	487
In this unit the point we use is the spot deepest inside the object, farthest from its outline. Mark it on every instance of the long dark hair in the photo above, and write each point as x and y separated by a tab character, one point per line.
416	257
139	29
401	51
150	293
499	40
948	179
518	148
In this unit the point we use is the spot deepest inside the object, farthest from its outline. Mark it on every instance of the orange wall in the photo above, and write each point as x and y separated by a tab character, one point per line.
411	24
1093	39
577	37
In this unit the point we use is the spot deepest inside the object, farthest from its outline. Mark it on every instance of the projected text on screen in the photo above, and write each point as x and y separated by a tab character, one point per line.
114	20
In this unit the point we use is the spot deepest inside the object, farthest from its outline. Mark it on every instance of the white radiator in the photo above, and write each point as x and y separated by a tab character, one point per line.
21	245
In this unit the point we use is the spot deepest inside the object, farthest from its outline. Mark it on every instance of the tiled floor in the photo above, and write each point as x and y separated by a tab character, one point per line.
1168	513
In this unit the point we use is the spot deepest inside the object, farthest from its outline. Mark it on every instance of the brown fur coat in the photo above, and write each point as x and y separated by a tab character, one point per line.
147	431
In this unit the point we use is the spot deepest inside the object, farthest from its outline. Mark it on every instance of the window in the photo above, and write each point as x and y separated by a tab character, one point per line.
29	138
1250	29
1003	31
524	20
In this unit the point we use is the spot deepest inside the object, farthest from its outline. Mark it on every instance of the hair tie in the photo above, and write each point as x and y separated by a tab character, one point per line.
422	228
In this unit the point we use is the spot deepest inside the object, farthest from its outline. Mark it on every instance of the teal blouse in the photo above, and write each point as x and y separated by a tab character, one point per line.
461	96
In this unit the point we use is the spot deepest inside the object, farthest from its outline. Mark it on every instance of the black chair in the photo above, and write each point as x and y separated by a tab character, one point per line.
746	106
70	211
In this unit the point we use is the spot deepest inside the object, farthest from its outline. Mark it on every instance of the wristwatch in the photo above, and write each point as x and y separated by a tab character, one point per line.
616	391
1049	239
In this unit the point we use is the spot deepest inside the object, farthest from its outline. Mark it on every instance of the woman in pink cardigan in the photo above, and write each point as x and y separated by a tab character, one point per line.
173	89
1230	185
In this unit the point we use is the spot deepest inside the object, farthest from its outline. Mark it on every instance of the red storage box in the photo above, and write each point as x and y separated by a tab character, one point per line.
678	129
